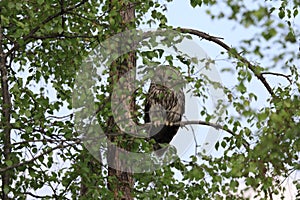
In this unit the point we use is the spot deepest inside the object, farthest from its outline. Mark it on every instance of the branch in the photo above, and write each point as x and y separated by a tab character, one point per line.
48	19
287	176
199	122
36	196
77	140
194	122
60	36
60	146
60	117
231	50
216	126
278	74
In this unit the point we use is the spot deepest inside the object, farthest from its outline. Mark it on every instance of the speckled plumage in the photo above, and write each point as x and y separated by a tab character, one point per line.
164	106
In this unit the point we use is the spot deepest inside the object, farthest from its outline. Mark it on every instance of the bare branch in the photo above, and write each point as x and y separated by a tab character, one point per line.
60	36
213	125
278	74
217	40
199	122
60	117
36	196
77	140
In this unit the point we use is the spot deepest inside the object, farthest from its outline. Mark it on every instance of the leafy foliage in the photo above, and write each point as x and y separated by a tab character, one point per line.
42	45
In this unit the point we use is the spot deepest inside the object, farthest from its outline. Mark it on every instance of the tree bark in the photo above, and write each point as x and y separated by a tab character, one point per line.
121	183
5	117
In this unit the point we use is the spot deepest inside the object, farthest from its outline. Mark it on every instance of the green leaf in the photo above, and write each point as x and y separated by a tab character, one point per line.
223	144
28	113
295	12
10	5
6	189
241	87
291	37
195	3
40	2
9	163
281	14
217	145
269	34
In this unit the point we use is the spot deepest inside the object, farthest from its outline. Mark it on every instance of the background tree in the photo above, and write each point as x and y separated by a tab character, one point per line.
42	45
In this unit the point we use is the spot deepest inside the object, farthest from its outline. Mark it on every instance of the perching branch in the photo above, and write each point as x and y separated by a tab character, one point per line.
192	122
77	141
217	40
199	122
213	125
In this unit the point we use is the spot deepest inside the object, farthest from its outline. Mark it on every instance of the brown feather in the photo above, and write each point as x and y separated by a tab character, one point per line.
161	98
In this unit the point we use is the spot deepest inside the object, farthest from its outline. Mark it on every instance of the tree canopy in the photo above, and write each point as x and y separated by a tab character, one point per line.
45	47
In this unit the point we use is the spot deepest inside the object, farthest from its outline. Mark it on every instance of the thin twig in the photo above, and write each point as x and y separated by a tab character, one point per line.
61	36
288	175
77	140
60	146
278	74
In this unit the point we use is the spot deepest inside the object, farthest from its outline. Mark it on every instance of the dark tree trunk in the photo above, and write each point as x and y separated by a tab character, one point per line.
119	181
5	117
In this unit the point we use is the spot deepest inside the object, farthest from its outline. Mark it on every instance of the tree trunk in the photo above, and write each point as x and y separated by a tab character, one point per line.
5	118
119	181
